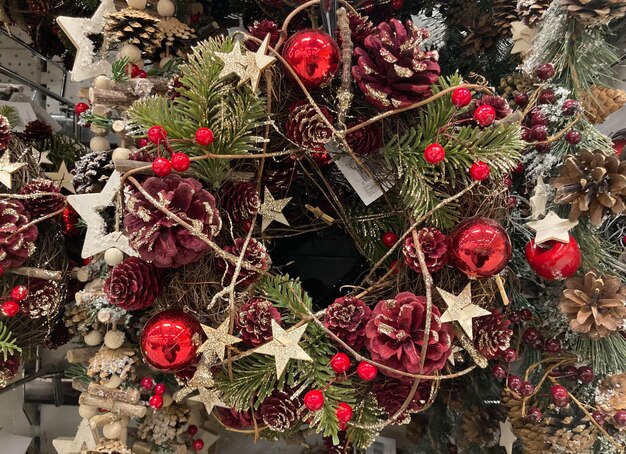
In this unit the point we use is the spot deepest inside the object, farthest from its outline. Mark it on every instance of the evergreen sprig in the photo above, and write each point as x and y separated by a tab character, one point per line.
119	72
12	115
606	355
8	343
366	415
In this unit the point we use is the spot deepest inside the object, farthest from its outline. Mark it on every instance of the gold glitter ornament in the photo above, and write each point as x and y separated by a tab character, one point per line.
216	341
8	168
246	66
210	398
284	346
461	310
272	210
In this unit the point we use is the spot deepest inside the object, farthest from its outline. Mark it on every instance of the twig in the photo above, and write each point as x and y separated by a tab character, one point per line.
344	94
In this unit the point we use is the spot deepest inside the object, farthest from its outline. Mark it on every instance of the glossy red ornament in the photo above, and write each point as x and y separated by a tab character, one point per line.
389	239
554	260
170	340
147	383
531	334
598	417
198	444
157	134
204	136
367	371
19	293
10	308
156	401
192	430
461	97
480	171
314	400
344	412
547	96
180	162
570	107
81	108
479	247
159	389
314	56
552	345
161	167
434	153
484	115
340	363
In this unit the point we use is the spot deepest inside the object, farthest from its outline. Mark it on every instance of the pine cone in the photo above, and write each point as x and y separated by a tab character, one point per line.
279	411
37	131
568	430
254	321
256	255
611	394
44	299
5	133
360	28
595	12
592	183
365	141
42	205
41	7
132	285
457	11
504	12
395	334
92	171
105	446
158	239
482	33
9	368
260	29
514	84
17	243
164	425
177	38
530	433
600	102
305	127
233	418
347	318
134	26
391	69
481	426
434	246
107	363
240	200
492	334
531	12
391	394
594	304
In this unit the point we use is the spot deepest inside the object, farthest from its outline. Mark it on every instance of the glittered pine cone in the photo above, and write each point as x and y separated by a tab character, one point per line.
611	394
44	299
132	284
434	246
160	240
260	29
134	26
492	334
9	368
395	334
594	304
254	321
256	255
529	432
595	12
17	242
391	394
239	199
92	171
391	70
37	131
360	28
365	141
305	127
347	318
41	205
279	411
5	133
233	418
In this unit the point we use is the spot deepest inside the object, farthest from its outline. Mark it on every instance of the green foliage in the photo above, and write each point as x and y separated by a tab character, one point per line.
366	415
607	355
119	72
597	252
12	115
64	148
78	371
287	293
8	345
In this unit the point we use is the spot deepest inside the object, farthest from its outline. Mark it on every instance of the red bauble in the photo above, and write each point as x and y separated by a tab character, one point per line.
198	444
157	134
554	260
480	171
509	355
314	57
434	153
159	389
618	146
204	136
389	239
484	115
598	417
170	340
367	371
161	167
81	108
574	137
344	412
461	97
142	74
340	363
133	70
526	389
521	99
10	308
19	292
156	401
180	162
314	399
480	247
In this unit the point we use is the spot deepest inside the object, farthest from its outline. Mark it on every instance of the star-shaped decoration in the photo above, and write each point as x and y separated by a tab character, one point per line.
452	358
41	156
284	346
523	37
461	310
552	228
78	30
85	439
63	177
507	437
234	63
539	199
272	210
8	168
216	341
258	62
202	378
88	206
210	398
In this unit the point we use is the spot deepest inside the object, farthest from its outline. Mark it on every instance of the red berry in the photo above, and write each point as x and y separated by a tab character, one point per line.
397	4
526	135
619	418
344	412
559	395
1	270
147	383
192	430
340	363
519	168
461	97
159	389
545	71
552	345
156	401
81	108
531	334
570	372
556	372
509	355
204	137
10	308
198	444
598	417
585	374
539	132
514	382
547	96
367	371
508	181
521	99
142	74
157	134
570	107
395	266
314	400
161	167
573	137
180	162
389	239
526	314
480	171
534	414
247	225
143	142
434	153
19	292
538	118
499	371
133	69
484	115
526	389
515	317
543	148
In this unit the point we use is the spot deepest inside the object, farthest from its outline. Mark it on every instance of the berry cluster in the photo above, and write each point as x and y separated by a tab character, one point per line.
11	308
158	389
197	443
135	72
179	162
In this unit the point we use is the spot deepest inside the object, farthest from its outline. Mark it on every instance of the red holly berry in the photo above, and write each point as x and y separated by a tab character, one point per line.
538	118
619	418
484	115
543	148
585	374
147	383
247	225
434	153
19	293
513	382
142	142
552	345
161	167
340	363
559	395
156	401
509	355
395	266
192	430
367	371
142	74
521	99
573	137
133	70
499	371
344	412
598	417
198	444
526	389
570	107
397	4
157	134
204	137
480	171
159	389
534	414
545	71
547	96
314	400
508	181
10	308
539	132
180	162
461	97
570	372
81	108
389	239
531	334
519	168
526	314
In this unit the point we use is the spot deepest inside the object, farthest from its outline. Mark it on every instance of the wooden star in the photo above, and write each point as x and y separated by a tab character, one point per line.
461	310
41	156
63	177
507	437
552	228
284	346
216	341
258	62
88	206
539	199
272	210
234	63
85	438
78	30
8	168
522	37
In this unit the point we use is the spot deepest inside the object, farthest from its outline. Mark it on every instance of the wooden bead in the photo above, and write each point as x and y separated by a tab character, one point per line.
93	338
113	256
114	339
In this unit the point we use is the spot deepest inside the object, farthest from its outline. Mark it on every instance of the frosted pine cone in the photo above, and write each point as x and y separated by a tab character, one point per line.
347	318
92	171
254	321
391	394
260	29
256	255
9	368
132	285
434	246
17	243
240	200
365	141
595	12
43	300
5	133
42	204
306	128
492	334
280	410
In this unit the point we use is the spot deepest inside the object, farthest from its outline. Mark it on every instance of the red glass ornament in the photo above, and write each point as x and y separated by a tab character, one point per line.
204	136
10	308
519	168
526	389
509	355
198	444
479	247
434	153
480	171
585	374
514	382
147	383
367	371
340	363
554	260
19	293
142	142
159	389
461	97
314	57
618	146
314	400
543	148
521	99
499	371
156	401
157	134
142	74
344	412
573	137
192	430
161	167
534	414
539	118
180	162
169	340
81	108
484	115
559	395
545	71
389	239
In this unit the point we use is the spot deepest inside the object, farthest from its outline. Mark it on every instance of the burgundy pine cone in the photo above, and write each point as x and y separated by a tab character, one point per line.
132	284
256	255
305	127
499	104
492	334
233	418
15	245
365	141
37	131
434	246
260	29
43	300
43	205
239	200
254	321
347	318
391	394
360	28
280	410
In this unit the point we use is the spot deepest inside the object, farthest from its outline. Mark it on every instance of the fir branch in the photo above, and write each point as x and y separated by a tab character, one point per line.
366	414
12	115
606	355
120	70
64	148
8	344
78	371
287	293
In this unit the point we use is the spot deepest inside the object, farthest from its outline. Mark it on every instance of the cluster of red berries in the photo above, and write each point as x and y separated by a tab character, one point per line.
582	374
135	71
11	307
180	162
197	443
158	389
389	239
533	337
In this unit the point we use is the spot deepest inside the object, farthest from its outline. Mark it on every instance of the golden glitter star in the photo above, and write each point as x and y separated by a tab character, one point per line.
259	62
461	310
284	346
216	341
507	437
8	168
210	398
63	177
552	228
235	63
272	210
202	378
41	156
